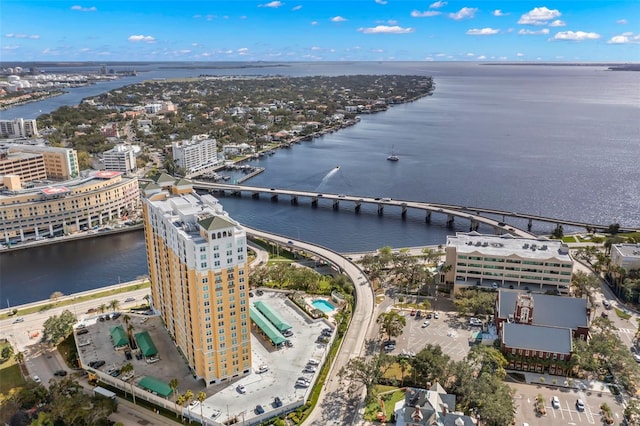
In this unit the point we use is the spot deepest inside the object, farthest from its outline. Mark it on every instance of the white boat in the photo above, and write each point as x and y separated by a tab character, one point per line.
393	157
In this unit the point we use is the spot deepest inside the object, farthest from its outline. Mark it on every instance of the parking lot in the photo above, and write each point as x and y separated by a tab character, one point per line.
449	331
286	365
567	413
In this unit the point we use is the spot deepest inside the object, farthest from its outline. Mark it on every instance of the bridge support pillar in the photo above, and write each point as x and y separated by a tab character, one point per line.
380	209
255	195
358	205
274	197
529	225
450	218
428	217
237	193
314	202
404	212
294	200
336	204
474	225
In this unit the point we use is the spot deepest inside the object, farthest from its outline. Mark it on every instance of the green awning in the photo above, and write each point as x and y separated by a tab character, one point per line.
155	385
146	344
267	328
272	316
119	336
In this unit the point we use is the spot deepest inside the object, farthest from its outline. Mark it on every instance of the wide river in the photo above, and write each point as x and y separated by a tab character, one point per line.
559	141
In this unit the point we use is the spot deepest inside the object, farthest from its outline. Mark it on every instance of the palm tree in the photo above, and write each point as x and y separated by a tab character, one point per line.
173	384
188	396
130	332
19	357
126	318
128	368
180	401
404	365
102	308
201	397
113	305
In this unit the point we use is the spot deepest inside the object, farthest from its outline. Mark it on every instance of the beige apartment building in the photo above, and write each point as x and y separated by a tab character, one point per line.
494	261
65	207
626	256
59	163
199	274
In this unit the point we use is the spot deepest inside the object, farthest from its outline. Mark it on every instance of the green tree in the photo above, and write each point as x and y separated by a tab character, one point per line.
7	352
474	301
56	328
487	359
391	323
180	401
585	286
188	397
173	384
114	304
19	357
363	371
201	397
102	308
430	365
126	369
558	232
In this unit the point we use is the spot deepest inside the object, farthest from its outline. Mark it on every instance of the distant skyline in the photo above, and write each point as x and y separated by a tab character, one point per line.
360	30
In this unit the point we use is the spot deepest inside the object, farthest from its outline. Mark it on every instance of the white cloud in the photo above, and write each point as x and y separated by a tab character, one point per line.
531	32
622	22
316	48
539	16
437	5
498	12
272	4
314	22
386	29
464	13
137	38
381	1
469	55
243	51
425	14
481	58
376	50
441	55
298	7
29	36
84	9
558	23
338	19
519	54
483	31
10	47
625	38
576	36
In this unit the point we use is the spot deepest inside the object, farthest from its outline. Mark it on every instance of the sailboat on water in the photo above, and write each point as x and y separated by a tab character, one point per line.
393	157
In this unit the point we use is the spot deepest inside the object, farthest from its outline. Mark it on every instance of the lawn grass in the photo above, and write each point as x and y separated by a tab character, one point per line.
373	408
622	314
569	239
71	301
10	378
394	372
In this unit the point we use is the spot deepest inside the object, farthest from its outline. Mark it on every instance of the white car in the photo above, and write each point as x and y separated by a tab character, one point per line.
193	404
36	379
426	324
309	369
302	384
262	369
555	402
241	389
313	361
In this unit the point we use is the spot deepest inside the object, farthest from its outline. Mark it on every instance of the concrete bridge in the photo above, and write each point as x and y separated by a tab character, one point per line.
451	211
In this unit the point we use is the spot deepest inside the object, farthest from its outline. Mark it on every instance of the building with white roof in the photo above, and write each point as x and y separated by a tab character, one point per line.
120	158
196	154
626	256
507	261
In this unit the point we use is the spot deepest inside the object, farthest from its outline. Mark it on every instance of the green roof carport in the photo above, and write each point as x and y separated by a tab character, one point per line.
272	316
155	385
119	336
146	344
267	328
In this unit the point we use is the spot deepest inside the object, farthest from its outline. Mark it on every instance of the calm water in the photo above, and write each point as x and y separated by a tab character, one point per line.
557	141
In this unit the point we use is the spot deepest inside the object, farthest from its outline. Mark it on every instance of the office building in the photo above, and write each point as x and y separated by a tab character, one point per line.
120	158
494	261
28	166
59	163
18	128
197	258
196	154
66	207
626	256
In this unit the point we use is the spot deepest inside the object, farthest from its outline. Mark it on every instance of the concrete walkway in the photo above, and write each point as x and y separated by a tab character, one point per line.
564	382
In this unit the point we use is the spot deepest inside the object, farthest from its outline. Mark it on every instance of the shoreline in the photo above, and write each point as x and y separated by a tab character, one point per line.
67	238
29	101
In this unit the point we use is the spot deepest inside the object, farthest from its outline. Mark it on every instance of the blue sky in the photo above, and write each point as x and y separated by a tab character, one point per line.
320	30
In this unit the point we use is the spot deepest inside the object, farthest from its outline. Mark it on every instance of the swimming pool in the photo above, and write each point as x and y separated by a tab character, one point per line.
323	305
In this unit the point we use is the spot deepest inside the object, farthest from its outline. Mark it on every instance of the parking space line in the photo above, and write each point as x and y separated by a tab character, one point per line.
569	410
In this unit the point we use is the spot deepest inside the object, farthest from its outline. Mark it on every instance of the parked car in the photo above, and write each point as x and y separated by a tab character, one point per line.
302	384
277	402
287	333
426	324
412	313
606	304
60	373
241	389
36	379
309	369
555	402
82	331
193	404
436	315
259	292
579	405
262	369
428	316
313	361
259	410
250	294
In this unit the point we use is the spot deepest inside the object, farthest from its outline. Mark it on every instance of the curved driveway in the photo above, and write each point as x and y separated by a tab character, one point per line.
331	407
